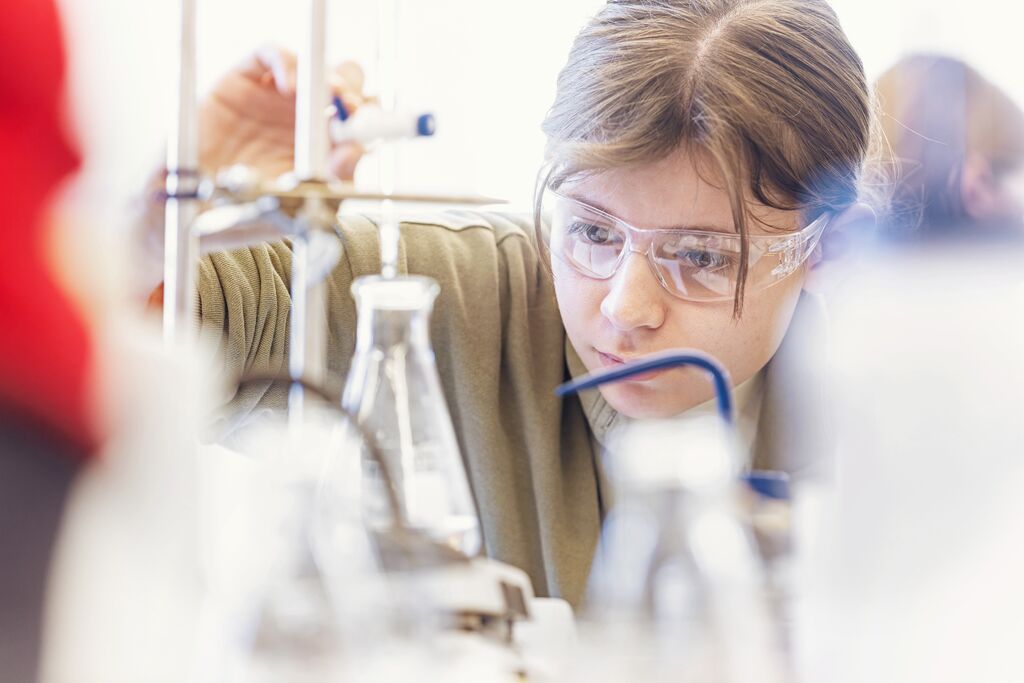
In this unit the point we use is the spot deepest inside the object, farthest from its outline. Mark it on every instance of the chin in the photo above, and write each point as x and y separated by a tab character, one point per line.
638	402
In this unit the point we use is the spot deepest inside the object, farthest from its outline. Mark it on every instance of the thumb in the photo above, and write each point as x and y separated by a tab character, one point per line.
277	65
341	163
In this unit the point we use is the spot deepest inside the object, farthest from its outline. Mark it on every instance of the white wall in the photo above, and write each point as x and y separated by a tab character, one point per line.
486	68
984	32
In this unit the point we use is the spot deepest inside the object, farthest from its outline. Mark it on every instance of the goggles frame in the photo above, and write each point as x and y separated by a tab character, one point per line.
791	249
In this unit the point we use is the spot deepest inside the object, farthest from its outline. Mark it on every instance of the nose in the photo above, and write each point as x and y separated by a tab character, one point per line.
635	299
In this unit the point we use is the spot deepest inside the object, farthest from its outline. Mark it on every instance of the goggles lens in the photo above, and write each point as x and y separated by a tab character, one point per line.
690	264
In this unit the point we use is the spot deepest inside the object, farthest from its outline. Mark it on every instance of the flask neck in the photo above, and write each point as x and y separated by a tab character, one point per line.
382	329
394	311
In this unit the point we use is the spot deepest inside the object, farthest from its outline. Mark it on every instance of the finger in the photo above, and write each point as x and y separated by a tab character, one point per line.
352	99
346	81
281	64
352	74
342	161
349	101
256	64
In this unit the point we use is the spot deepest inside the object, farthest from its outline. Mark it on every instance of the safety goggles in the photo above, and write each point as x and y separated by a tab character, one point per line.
694	265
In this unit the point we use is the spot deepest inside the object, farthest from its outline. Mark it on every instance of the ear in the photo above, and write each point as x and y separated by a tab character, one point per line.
980	192
847	229
853	225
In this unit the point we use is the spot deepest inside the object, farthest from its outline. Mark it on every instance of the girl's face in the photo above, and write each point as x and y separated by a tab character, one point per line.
631	314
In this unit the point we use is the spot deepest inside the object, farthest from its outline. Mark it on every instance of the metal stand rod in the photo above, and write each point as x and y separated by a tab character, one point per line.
308	313
297	314
180	248
387	62
311	97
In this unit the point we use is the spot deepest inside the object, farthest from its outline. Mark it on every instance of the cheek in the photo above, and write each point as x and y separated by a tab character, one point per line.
579	299
749	343
743	346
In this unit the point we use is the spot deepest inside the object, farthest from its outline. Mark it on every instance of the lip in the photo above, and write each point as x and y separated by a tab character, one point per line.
610	360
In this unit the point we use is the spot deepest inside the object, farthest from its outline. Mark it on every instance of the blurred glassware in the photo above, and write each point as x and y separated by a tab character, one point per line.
295	589
678	587
908	564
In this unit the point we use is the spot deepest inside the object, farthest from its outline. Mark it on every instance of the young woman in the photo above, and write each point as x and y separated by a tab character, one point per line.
697	152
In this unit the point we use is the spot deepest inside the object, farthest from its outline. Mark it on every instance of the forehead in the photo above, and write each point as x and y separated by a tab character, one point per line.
673	192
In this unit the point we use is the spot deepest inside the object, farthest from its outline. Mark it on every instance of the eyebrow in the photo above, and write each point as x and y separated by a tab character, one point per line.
701	228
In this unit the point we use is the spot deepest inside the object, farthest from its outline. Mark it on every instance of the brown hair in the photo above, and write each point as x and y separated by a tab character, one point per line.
937	112
769	90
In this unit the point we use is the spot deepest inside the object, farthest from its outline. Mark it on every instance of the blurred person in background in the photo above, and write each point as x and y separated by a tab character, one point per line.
915	568
47	430
97	514
958	143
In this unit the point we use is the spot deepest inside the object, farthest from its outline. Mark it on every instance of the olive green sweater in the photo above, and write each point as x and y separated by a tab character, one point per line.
501	350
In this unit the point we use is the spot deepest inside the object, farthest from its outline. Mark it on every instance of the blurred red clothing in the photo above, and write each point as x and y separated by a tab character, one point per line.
44	344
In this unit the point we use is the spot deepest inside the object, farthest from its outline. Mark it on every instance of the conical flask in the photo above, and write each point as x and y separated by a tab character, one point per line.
677	583
394	391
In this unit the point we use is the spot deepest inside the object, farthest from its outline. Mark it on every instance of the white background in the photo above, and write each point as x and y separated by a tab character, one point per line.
486	68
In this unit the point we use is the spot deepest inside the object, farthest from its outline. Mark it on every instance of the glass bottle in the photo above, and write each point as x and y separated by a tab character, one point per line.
677	580
281	605
394	391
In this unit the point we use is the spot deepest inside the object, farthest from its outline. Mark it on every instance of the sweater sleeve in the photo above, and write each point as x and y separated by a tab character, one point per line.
244	302
243	307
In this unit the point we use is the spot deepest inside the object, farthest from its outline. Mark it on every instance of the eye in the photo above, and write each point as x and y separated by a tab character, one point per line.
594	234
702	258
